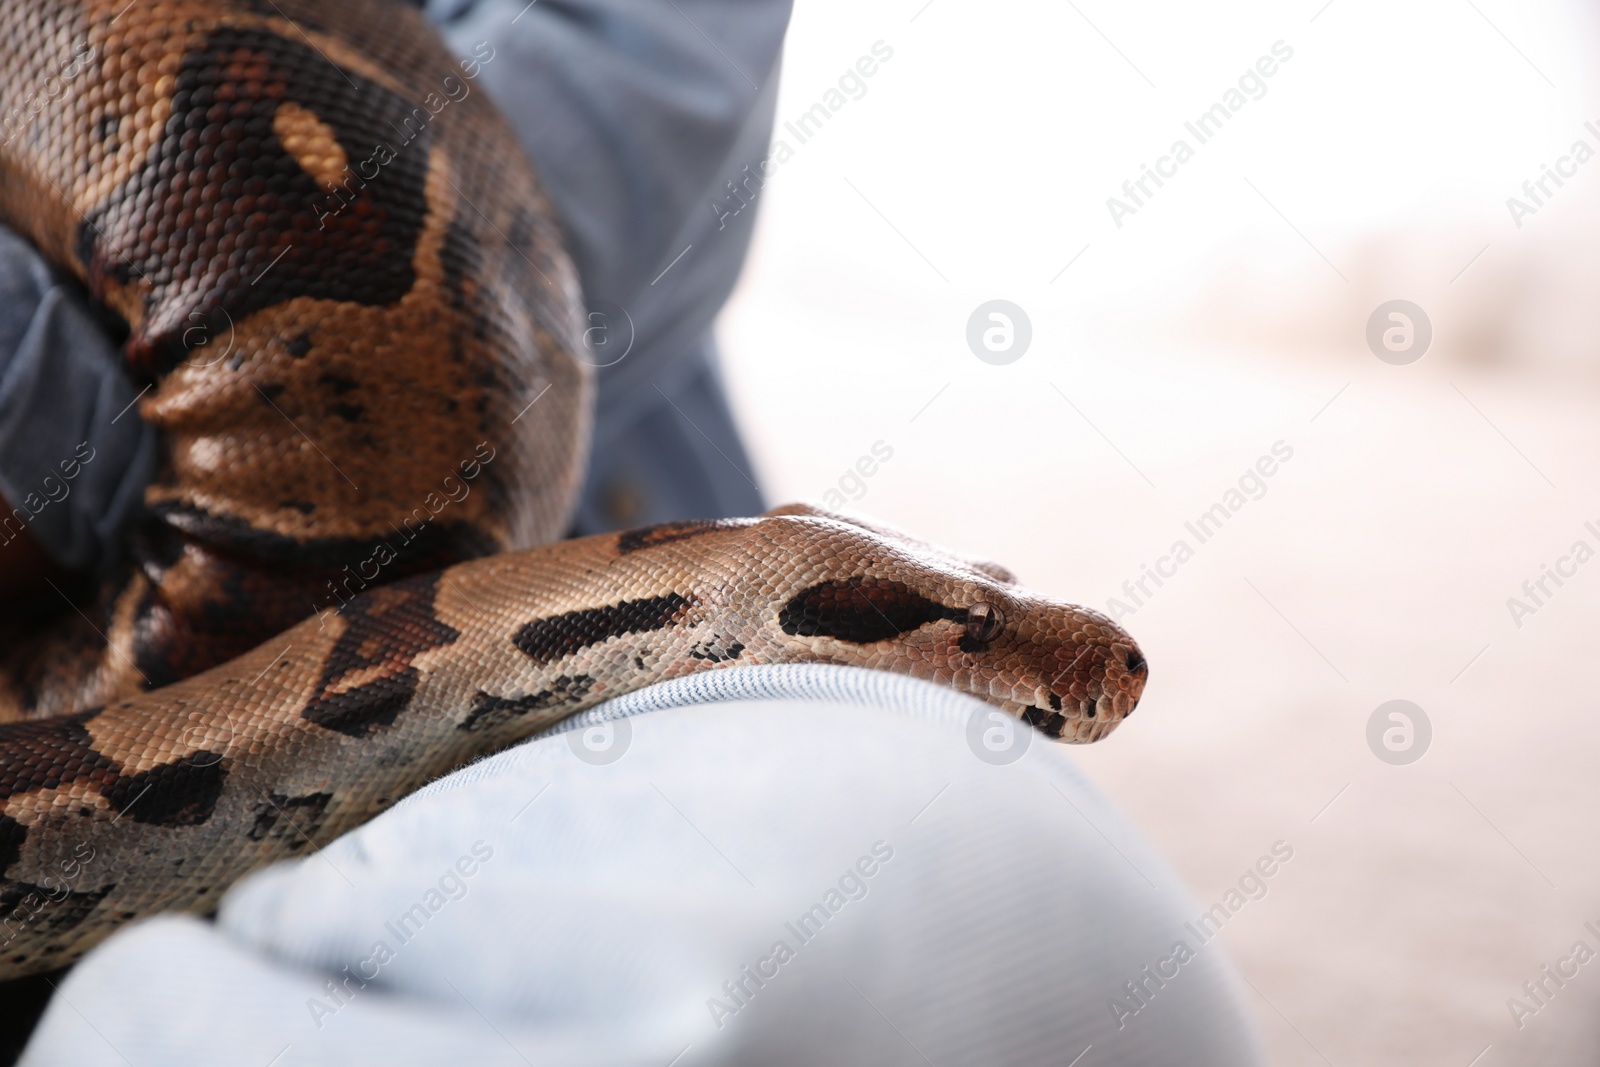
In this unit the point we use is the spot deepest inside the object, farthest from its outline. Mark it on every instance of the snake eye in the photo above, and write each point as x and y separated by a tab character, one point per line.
983	623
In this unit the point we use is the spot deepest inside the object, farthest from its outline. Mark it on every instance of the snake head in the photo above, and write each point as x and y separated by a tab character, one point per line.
871	597
1078	673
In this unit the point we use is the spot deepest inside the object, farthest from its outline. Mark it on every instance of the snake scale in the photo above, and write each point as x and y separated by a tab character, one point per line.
325	255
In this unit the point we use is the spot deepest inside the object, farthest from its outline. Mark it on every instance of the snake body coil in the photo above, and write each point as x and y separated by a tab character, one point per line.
336	271
339	278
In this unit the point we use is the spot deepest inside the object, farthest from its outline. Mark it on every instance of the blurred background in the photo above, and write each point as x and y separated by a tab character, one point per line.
1174	345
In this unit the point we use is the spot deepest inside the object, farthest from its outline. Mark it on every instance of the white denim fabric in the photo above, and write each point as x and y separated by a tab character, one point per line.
770	865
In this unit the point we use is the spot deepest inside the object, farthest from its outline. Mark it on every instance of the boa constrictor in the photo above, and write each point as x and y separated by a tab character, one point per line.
328	260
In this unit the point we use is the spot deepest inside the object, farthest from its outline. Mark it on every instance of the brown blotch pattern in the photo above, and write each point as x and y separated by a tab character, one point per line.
861	610
489	711
667	532
368	677
547	640
49	754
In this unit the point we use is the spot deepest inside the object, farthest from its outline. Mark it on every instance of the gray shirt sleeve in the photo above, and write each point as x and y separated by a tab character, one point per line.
637	116
74	455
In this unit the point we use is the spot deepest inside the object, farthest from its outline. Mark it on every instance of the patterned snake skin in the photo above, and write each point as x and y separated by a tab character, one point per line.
339	278
337	272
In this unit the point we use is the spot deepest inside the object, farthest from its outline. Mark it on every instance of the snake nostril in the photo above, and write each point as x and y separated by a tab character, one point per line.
1135	660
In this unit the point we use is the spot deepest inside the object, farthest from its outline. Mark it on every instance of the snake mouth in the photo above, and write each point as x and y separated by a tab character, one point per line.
1093	719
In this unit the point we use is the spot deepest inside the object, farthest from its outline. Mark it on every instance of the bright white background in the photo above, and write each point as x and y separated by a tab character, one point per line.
1227	314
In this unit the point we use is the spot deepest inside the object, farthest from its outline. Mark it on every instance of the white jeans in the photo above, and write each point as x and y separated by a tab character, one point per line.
765	865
